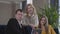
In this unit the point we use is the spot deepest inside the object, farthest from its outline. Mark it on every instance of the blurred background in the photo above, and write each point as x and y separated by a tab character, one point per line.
50	8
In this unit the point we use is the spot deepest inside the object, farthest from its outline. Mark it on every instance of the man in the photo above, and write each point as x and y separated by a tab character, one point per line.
14	25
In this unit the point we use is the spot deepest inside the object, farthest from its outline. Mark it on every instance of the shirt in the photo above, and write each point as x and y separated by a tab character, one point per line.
31	20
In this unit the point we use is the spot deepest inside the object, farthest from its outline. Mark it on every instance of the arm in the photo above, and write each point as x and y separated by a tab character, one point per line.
52	30
36	20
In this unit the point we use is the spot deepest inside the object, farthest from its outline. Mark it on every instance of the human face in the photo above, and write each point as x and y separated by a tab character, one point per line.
43	20
30	9
19	15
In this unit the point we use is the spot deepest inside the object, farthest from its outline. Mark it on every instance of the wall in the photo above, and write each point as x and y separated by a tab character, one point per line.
7	11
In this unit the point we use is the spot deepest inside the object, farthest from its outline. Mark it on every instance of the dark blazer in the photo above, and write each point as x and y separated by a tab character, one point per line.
13	27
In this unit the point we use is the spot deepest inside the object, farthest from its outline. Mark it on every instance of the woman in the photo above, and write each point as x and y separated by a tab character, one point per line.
45	27
31	17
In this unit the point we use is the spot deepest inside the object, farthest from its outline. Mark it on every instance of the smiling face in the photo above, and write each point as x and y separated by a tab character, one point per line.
30	9
19	15
43	20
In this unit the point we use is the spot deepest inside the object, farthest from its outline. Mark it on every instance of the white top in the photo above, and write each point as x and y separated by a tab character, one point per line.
31	20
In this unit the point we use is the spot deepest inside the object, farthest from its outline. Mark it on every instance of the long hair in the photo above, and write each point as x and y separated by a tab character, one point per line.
34	9
46	24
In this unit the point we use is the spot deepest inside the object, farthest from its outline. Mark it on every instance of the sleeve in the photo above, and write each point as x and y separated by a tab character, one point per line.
36	20
52	30
24	21
43	32
12	25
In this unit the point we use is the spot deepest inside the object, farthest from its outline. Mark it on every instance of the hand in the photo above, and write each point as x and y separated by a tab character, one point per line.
36	32
33	26
42	23
42	26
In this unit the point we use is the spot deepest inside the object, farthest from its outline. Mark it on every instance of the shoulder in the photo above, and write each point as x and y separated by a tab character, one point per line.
50	26
12	19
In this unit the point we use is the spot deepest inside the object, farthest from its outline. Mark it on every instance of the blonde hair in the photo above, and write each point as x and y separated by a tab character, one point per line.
34	12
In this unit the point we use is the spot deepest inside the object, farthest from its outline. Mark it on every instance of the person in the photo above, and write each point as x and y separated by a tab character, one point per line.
45	27
14	25
31	17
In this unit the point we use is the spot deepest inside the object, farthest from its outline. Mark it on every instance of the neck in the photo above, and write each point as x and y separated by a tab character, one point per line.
18	19
29	14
